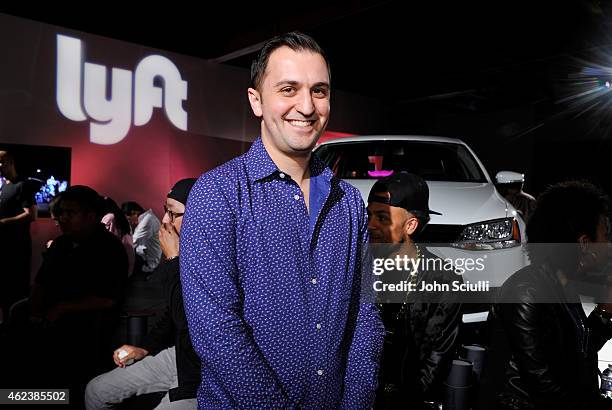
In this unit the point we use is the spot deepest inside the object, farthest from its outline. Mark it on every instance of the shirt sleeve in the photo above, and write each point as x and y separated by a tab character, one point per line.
109	222
141	234
231	359
363	361
161	336
442	333
522	323
27	195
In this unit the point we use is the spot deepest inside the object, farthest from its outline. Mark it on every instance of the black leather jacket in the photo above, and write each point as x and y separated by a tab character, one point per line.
553	345
421	341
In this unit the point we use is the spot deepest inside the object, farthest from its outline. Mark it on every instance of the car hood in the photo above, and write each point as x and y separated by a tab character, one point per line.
460	203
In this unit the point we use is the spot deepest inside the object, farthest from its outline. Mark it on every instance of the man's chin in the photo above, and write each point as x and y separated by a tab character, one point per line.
304	146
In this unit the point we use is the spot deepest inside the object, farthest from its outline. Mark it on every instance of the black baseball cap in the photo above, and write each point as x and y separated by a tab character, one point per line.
408	191
180	190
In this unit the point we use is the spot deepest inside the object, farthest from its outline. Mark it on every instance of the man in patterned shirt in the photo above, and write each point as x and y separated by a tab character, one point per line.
272	245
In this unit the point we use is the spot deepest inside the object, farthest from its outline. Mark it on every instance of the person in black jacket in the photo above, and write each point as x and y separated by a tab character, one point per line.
17	212
166	361
422	329
74	304
553	344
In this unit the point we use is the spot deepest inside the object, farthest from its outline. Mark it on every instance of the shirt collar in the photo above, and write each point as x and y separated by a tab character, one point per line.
260	165
258	162
143	215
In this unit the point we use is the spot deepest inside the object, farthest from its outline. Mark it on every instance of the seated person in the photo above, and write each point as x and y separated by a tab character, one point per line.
75	300
166	361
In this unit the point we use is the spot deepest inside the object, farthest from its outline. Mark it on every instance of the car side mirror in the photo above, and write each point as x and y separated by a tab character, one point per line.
509	177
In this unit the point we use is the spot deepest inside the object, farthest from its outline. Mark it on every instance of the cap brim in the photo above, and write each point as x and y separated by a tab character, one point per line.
433	212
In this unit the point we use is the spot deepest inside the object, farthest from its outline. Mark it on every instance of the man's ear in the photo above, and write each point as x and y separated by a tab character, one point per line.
255	100
583	241
410	226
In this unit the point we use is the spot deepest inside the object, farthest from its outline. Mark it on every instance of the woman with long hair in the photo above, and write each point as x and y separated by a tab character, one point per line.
116	222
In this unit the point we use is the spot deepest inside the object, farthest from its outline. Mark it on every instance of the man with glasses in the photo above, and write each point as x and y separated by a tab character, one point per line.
166	360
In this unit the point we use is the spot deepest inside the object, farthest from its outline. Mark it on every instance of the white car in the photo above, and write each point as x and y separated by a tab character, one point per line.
475	218
476	221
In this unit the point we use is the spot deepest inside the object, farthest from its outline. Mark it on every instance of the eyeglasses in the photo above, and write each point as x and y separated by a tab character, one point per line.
172	215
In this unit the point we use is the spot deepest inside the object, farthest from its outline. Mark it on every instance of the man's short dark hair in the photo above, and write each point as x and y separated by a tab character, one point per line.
564	212
7	157
296	41
131	206
87	198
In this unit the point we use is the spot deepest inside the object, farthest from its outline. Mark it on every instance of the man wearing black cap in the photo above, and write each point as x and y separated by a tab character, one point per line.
422	329
166	360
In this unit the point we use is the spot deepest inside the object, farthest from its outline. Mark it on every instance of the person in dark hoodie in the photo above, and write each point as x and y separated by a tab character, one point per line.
166	360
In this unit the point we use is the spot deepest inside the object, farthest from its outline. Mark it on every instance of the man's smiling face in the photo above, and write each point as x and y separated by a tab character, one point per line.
293	100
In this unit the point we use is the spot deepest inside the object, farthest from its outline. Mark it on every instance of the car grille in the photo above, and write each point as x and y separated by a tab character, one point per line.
440	233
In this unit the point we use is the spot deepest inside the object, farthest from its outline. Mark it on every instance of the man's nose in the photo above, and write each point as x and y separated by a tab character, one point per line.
166	218
372	225
306	105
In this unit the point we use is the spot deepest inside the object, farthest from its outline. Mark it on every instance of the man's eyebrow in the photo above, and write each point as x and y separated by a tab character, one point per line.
287	82
293	82
321	84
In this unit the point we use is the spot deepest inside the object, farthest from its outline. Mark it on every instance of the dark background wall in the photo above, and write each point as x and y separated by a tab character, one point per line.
145	164
523	82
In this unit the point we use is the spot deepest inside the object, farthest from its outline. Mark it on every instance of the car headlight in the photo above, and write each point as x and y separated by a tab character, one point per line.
488	235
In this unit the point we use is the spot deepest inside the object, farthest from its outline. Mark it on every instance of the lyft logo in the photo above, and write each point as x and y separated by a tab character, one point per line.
81	92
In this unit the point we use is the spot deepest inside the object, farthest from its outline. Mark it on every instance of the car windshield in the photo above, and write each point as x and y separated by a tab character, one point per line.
434	161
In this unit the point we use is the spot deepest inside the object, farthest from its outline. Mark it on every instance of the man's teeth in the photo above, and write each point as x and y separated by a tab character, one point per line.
298	123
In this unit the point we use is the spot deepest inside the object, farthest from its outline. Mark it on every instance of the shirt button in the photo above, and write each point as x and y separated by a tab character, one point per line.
281	175
313	281
296	197
318	326
320	372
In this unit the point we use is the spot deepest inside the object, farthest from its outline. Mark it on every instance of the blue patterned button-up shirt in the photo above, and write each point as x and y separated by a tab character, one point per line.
271	290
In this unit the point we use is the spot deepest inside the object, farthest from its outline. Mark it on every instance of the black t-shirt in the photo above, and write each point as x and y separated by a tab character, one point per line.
97	266
14	197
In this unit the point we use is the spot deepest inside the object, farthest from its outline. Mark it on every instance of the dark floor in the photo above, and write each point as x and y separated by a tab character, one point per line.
144	297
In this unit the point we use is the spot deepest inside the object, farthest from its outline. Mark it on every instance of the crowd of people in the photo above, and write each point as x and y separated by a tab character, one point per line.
261	265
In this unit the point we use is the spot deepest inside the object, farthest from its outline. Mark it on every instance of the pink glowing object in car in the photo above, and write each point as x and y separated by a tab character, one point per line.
380	173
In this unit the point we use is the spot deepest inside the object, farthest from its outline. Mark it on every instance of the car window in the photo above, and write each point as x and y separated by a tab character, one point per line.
434	161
